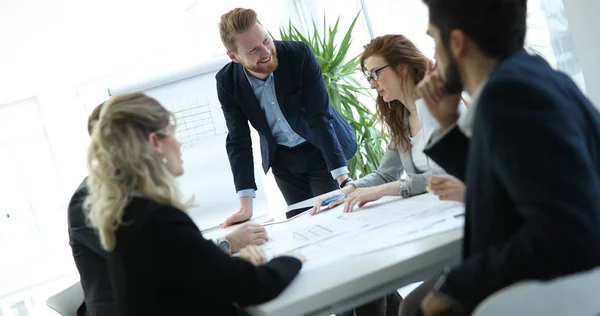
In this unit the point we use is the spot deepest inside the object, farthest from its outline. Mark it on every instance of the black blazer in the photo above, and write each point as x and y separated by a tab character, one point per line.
532	169
90	259
304	102
162	265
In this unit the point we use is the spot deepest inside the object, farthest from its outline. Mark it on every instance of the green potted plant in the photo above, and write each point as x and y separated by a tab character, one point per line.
344	90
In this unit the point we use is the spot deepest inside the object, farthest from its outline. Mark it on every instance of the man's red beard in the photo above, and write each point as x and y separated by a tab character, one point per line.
265	68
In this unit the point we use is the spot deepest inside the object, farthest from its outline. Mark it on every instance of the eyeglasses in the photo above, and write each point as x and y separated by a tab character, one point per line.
375	74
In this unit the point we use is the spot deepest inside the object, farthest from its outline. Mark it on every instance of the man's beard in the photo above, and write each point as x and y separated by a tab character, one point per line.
265	69
453	83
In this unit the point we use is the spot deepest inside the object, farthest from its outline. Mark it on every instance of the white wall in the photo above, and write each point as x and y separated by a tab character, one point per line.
55	64
584	22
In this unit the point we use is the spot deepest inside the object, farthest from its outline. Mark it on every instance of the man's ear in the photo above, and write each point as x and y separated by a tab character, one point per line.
232	56
153	140
458	42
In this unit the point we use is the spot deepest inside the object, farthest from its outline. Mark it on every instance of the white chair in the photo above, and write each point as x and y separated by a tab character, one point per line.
576	294
67	301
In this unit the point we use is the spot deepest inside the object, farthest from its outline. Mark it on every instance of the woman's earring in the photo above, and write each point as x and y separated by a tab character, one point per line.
164	160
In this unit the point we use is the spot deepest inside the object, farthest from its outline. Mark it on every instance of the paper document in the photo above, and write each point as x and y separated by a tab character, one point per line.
333	235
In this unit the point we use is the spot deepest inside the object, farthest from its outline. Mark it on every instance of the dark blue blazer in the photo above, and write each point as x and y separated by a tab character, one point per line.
532	169
303	98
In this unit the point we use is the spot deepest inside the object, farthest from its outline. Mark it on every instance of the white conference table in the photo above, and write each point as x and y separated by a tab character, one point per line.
353	281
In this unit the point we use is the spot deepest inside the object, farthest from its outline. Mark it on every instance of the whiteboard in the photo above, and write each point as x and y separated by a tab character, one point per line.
191	94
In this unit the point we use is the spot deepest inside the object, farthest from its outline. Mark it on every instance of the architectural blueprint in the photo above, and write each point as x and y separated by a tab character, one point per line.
333	235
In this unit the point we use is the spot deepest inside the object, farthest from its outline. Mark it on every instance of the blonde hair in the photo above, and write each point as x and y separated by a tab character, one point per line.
121	161
234	22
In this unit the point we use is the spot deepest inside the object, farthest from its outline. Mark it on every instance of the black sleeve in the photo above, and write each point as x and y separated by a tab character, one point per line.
238	142
451	152
541	159
201	263
78	229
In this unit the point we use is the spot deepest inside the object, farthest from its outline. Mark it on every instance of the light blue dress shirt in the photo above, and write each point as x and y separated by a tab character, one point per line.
264	90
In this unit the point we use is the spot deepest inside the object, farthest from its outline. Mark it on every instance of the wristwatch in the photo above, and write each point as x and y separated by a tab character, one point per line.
224	245
404	190
345	182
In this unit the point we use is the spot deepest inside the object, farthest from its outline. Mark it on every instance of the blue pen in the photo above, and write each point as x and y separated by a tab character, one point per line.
332	199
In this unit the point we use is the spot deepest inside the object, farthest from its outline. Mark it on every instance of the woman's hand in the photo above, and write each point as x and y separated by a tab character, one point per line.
345	191
447	188
254	255
363	196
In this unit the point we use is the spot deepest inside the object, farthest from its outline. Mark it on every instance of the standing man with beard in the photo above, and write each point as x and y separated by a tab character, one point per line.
278	87
531	164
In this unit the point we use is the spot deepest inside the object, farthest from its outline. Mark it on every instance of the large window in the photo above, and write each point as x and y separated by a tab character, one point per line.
205	19
407	17
561	41
548	31
346	10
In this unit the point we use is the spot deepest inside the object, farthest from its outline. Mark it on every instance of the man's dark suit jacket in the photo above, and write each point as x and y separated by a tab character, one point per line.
162	265
532	169
304	101
90	259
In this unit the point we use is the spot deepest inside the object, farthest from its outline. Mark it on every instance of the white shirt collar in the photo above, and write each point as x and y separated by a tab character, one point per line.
466	119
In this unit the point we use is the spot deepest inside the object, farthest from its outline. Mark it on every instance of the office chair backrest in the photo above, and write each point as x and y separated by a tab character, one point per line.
575	294
67	301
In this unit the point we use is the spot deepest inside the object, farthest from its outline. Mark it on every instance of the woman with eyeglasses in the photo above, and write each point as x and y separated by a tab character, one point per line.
393	66
159	262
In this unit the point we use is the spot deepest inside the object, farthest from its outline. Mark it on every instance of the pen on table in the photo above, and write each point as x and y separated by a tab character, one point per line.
332	199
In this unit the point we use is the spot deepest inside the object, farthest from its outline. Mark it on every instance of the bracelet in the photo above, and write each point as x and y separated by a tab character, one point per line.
345	182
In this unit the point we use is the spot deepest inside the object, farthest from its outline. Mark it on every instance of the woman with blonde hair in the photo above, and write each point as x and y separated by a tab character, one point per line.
160	264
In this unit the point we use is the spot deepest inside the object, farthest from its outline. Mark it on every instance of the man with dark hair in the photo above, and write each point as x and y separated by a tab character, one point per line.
90	257
528	150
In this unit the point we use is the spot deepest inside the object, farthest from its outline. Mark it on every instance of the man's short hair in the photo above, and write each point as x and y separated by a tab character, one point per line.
498	27
94	117
234	22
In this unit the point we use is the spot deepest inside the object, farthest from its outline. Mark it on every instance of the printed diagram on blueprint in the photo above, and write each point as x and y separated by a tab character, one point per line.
333	235
312	233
